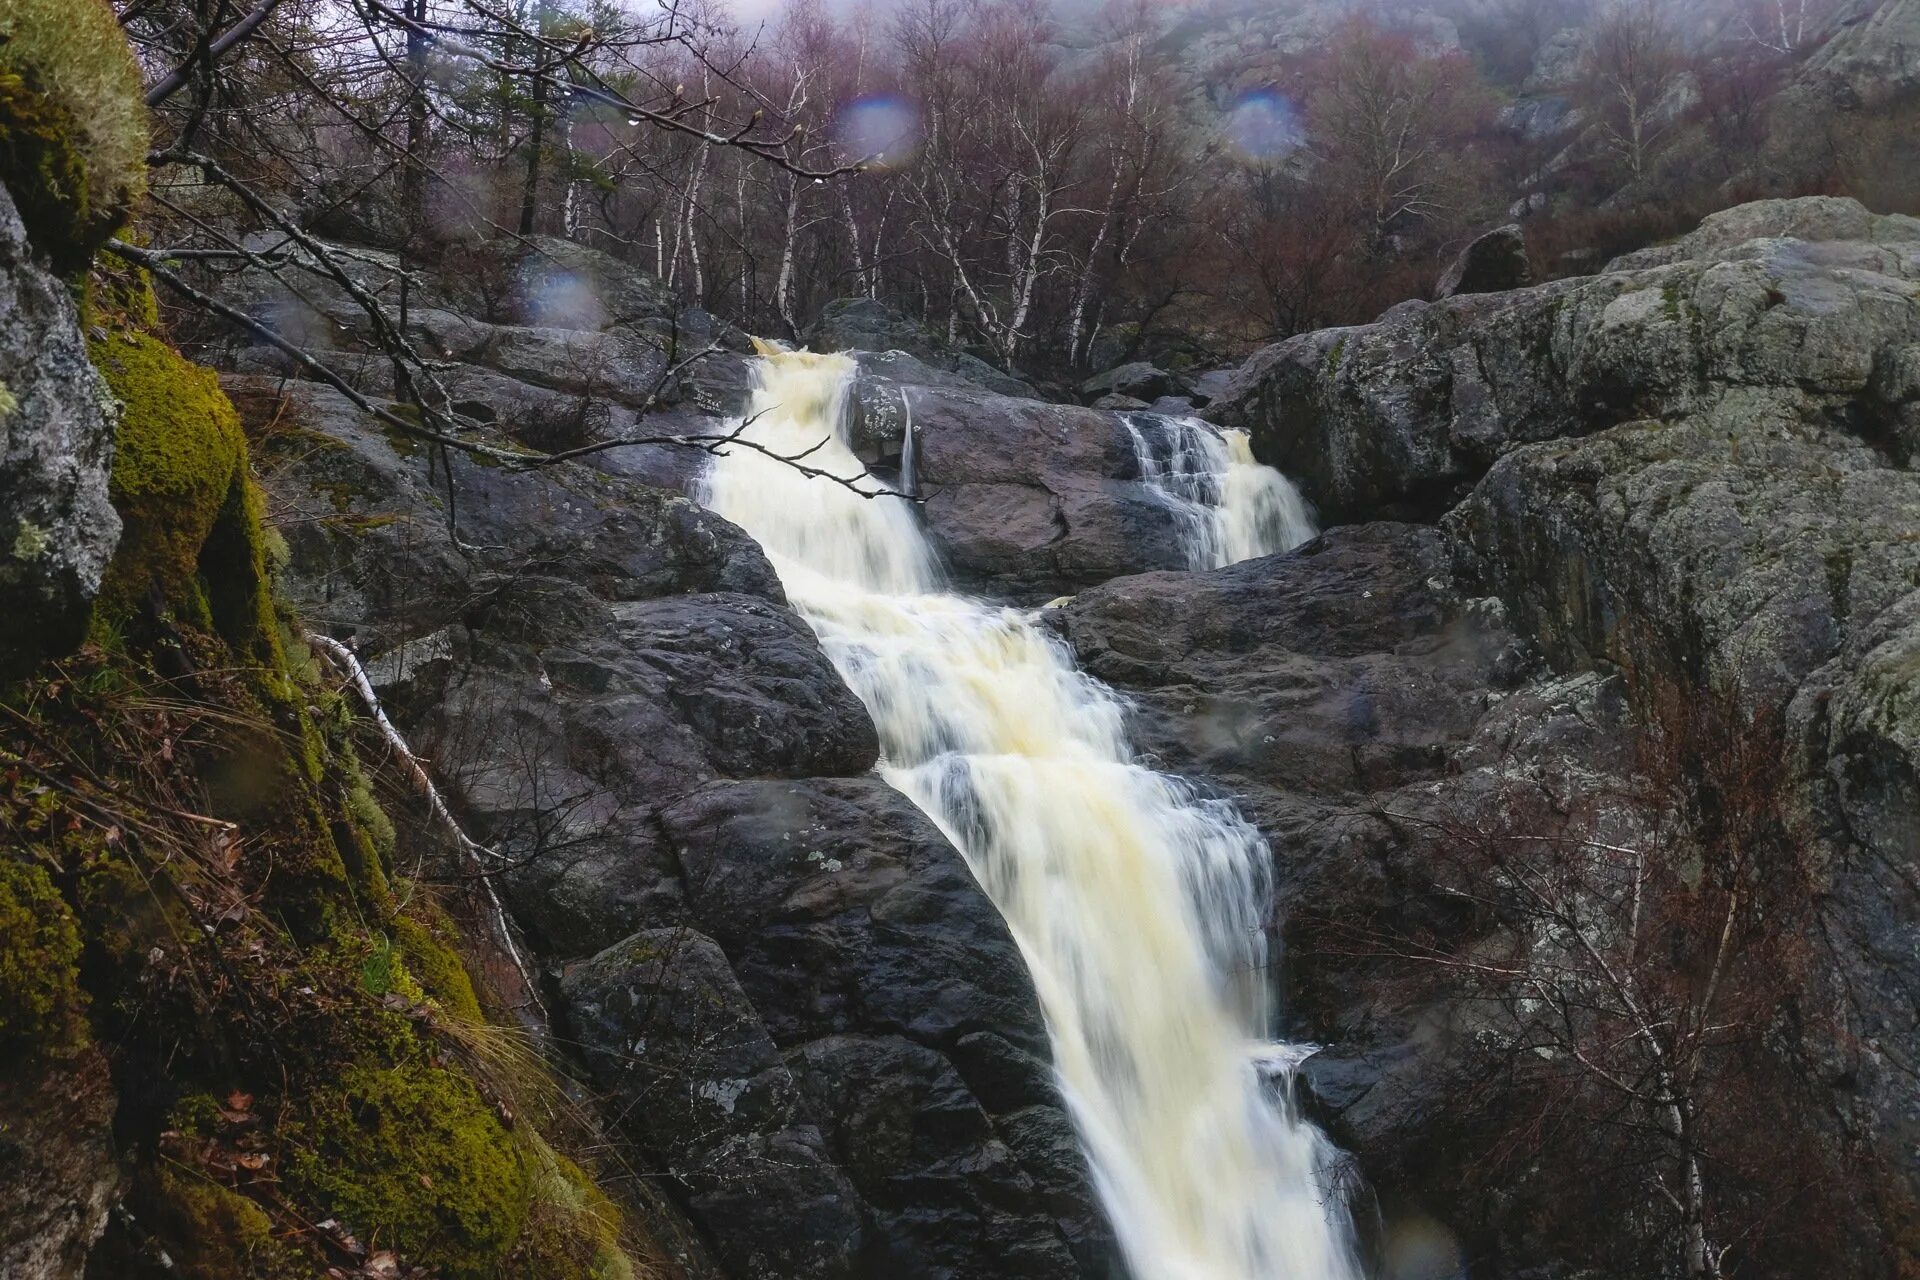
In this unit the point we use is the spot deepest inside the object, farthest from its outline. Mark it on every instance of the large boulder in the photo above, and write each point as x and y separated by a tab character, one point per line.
1033	500
1492	263
1139	381
869	325
57	528
1402	416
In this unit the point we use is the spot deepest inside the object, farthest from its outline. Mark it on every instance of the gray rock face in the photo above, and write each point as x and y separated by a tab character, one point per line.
57	529
1402	416
1139	381
868	325
1774	559
1031	500
1874	58
609	682
59	1173
1493	263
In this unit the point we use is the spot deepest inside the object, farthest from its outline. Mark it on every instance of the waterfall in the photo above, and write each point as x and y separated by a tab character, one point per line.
1137	904
1230	508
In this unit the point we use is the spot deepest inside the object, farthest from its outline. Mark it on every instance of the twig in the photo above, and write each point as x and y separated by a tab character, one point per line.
349	665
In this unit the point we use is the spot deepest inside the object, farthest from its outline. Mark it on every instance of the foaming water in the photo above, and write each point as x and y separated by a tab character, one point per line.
1137	904
1230	507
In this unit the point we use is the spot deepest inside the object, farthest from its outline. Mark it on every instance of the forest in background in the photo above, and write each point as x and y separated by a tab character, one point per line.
1056	193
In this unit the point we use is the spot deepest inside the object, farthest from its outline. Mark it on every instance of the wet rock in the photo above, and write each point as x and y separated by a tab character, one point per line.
844	909
1031	500
669	1033
948	1197
57	529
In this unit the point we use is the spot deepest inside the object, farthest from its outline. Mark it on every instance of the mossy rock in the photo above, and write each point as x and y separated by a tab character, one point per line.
41	1003
413	1156
73	127
193	543
214	1233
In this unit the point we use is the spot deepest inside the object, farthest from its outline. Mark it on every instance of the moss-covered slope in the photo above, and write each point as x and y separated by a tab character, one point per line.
224	1005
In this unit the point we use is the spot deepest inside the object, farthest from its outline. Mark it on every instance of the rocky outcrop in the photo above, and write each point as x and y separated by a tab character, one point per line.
811	1015
1758	555
57	529
1695	468
1404	415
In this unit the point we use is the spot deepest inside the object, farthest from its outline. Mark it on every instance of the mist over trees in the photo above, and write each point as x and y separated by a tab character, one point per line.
1057	191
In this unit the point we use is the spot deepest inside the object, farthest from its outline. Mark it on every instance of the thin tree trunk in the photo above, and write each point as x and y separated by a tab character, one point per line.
414	177
536	139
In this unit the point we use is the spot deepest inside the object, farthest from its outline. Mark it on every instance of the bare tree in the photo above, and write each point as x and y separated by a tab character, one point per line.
1643	960
1627	78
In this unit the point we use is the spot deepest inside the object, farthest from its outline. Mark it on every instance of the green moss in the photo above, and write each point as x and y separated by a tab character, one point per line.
573	1231
120	295
8	403
366	813
177	471
405	445
213	1233
196	1115
194	542
73	128
1334	355
438	968
413	1156
41	1003
384	972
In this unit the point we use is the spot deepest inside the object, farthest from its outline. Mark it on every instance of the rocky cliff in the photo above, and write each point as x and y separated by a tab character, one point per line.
1689	471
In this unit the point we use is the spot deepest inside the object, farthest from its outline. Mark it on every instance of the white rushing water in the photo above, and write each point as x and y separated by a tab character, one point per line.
1230	508
1137	905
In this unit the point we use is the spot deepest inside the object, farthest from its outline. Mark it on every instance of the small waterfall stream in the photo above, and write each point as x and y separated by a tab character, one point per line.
1230	507
1137	904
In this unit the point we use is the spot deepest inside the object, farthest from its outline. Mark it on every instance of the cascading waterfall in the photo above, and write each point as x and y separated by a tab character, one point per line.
1137	904
1230	507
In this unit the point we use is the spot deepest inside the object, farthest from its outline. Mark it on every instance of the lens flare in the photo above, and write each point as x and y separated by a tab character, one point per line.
559	299
1264	125
883	130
